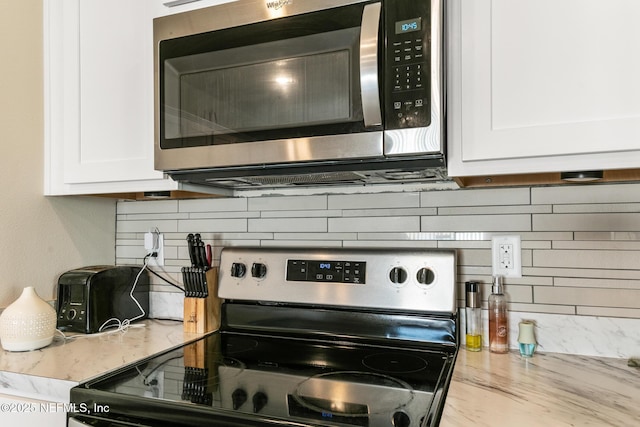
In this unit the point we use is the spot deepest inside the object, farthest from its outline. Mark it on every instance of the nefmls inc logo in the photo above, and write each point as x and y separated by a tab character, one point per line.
278	4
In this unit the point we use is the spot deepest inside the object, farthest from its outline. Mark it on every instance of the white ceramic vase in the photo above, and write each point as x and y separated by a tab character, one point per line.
29	323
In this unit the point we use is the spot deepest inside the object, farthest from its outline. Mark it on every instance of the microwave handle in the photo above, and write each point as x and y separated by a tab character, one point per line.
369	65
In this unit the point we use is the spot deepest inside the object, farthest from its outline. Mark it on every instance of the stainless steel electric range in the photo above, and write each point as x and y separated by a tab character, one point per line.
309	337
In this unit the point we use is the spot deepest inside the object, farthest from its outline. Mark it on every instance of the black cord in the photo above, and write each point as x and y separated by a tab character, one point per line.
162	277
148	374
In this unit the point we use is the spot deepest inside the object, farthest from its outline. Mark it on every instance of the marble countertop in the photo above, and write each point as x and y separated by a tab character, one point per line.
547	390
51	371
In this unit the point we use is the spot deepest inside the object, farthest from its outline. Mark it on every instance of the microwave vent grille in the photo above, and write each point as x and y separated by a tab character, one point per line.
306	179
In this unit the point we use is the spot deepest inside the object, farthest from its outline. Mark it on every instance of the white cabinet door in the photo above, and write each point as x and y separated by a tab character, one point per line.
99	97
543	85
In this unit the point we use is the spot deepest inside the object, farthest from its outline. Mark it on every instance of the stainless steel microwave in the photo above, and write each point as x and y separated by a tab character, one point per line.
299	92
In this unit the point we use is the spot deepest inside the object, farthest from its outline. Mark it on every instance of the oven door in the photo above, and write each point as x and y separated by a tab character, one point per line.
274	91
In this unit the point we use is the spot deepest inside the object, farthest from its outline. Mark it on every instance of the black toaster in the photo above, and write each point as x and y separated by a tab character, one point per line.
89	298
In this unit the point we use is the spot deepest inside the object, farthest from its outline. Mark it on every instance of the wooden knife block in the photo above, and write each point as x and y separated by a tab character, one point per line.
202	315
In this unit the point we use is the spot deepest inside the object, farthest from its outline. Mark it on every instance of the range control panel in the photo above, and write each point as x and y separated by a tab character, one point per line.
327	271
387	278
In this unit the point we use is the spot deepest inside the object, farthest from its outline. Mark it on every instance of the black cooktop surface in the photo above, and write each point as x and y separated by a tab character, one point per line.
244	379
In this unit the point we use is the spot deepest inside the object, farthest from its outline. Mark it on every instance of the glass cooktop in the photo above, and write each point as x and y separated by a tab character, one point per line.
242	379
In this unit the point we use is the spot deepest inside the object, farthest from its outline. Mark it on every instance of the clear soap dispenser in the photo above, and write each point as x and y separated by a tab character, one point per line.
498	319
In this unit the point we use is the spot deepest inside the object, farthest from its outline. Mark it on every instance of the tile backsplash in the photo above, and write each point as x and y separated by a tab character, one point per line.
580	246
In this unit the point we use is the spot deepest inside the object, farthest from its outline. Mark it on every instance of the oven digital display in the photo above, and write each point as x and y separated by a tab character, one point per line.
408	25
326	271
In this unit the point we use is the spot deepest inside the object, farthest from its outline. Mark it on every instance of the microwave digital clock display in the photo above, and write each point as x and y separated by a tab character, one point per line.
408	25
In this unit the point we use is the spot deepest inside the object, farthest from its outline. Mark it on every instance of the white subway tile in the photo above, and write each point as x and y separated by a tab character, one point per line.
599	208
145	207
180	239
543	308
154	216
389	212
406	236
213	205
465	244
479	257
227	240
627	260
598	244
314	236
586	222
374	201
486	277
221	215
581	272
623	298
165	226
547	235
288	225
607	235
391	244
408	223
581	194
597	283
483	223
309	244
288	203
299	214
514	293
633	313
476	271
131	252
495	210
212	225
468	197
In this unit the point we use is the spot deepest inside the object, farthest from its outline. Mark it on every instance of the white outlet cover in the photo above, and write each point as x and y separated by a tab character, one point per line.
159	260
505	264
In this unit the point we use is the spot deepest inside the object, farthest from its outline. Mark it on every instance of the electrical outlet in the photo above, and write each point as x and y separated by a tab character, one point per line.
154	242
155	385
506	256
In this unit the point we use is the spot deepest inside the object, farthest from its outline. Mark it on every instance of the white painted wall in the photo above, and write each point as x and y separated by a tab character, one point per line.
40	237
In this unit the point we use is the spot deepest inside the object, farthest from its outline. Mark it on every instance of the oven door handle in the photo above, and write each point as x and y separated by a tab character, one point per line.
369	65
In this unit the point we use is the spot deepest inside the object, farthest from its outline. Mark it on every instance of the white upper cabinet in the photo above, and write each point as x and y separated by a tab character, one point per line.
543	86
99	98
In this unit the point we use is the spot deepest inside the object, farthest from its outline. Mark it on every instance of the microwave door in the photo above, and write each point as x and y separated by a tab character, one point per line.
302	88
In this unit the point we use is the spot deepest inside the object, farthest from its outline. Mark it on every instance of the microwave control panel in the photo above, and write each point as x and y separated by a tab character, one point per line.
407	74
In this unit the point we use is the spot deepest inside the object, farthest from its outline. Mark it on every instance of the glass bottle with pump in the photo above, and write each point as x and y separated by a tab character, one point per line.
498	319
473	314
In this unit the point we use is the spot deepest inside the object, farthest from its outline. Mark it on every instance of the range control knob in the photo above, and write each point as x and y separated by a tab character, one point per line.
258	270
401	419
238	269
398	275
259	401
425	276
72	314
238	397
